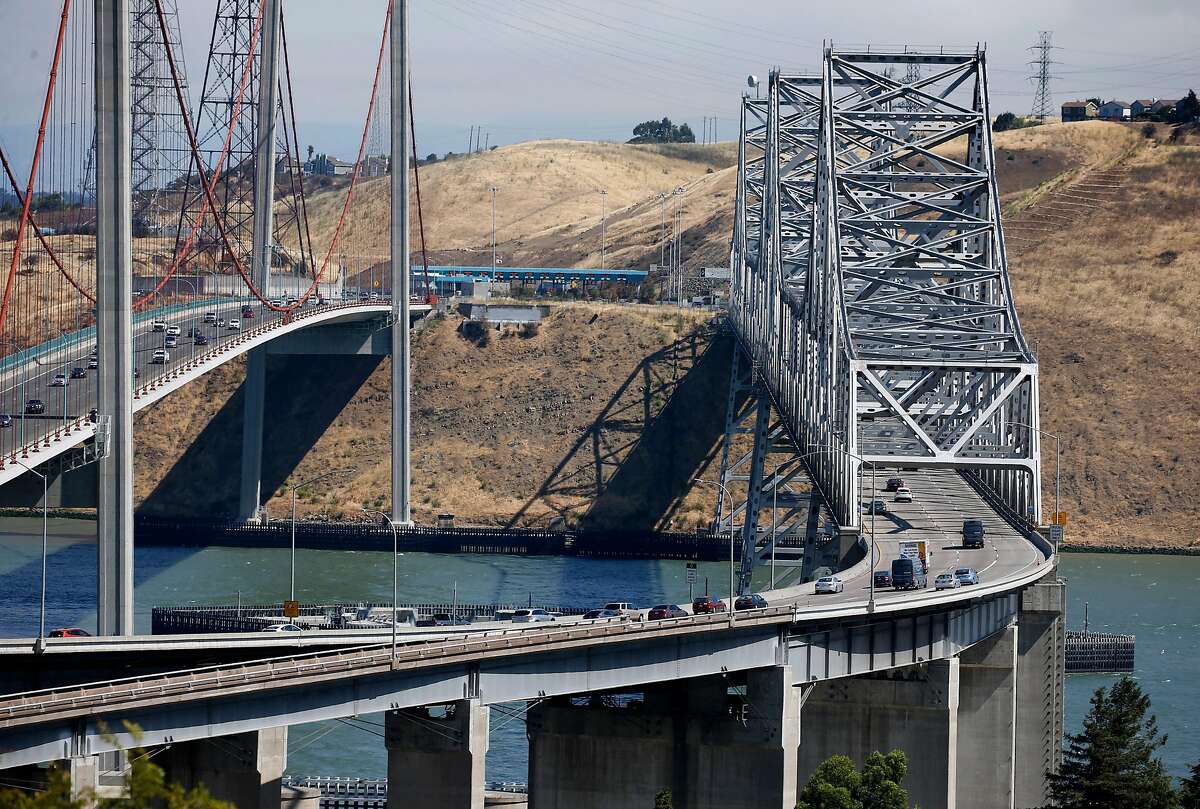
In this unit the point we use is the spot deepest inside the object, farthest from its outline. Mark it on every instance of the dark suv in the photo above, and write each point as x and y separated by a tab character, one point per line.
972	533
893	484
35	407
707	604
753	601
882	579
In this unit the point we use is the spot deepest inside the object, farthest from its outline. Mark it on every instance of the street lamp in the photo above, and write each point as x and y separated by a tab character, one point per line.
395	572
1057	463
731	537
822	448
41	639
494	190
292	588
603	224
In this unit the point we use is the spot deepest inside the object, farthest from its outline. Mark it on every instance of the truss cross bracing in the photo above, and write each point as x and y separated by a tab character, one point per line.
870	284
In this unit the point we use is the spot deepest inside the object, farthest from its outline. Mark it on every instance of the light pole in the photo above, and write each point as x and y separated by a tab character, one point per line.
292	588
41	639
603	224
494	190
864	461
395	572
662	230
1057	464
731	537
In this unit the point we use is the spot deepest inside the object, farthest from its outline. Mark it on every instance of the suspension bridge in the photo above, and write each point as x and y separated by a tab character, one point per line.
876	334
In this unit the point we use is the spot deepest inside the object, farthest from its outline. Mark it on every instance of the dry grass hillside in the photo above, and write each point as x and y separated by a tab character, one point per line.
559	423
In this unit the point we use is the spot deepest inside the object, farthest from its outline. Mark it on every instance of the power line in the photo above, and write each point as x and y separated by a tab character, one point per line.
1043	104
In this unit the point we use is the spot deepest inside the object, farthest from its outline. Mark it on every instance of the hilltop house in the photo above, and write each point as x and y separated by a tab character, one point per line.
1164	105
1141	106
1115	110
1078	110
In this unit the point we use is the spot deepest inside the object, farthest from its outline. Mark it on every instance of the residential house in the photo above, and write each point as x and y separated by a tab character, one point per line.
1141	107
1078	110
1115	111
328	165
1164	106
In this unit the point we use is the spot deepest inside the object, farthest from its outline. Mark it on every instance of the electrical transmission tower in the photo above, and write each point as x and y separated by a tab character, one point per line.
912	75
1043	104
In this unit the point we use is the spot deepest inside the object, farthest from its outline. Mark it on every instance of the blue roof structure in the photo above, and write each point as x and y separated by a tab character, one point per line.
460	274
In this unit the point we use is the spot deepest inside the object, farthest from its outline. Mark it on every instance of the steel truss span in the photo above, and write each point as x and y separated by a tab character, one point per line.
870	283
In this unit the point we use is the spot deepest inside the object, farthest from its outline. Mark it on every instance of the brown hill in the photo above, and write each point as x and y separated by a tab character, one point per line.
1104	296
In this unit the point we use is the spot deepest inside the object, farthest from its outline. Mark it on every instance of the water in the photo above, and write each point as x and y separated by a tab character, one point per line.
1150	596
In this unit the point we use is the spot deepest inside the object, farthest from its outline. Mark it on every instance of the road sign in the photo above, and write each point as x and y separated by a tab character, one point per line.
1056	534
717	273
1060	518
291	609
691	572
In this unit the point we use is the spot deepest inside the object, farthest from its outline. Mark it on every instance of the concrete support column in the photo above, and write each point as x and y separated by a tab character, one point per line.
437	761
253	421
114	321
245	769
914	710
987	723
1041	678
710	747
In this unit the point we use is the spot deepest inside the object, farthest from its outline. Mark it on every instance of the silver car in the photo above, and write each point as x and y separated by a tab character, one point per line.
966	576
531	616
830	584
945	581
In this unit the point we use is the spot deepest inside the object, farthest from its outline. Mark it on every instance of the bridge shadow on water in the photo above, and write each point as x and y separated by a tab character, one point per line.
632	467
304	396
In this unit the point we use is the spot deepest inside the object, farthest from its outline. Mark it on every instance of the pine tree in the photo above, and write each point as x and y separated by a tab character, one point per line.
1111	763
837	785
1189	792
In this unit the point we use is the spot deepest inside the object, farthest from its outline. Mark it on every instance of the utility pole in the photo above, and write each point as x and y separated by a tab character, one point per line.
912	75
494	189
662	231
401	275
1043	103
471	140
487	138
114	322
603	224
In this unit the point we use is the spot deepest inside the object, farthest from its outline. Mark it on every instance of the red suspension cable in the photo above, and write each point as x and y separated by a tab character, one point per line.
430	298
33	169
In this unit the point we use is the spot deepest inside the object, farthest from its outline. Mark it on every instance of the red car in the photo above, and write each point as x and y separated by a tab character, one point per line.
663	611
70	632
247	312
707	604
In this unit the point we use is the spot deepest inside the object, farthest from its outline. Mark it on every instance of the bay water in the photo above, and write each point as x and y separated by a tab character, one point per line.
1151	596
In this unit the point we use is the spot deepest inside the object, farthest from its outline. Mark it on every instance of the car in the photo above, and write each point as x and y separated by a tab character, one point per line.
136	373
621	607
210	317
444	619
69	632
233	325
945	581
170	342
750	601
201	340
160	356
907	575
5	420
173	331
830	584
662	611
967	575
531	616
93	363
247	313
59	381
875	506
78	373
602	615
282	628
705	605
903	495
158	325
972	533
93	416
893	484
882	578
35	407
221	323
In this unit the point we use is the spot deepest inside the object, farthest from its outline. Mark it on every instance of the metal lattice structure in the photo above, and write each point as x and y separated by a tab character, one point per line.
870	285
1043	103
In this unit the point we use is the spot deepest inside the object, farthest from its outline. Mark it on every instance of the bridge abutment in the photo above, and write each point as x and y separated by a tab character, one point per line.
437	761
987	723
710	747
245	769
253	420
1041	680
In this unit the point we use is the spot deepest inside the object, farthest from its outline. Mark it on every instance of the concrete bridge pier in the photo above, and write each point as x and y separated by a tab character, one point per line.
437	757
711	747
245	769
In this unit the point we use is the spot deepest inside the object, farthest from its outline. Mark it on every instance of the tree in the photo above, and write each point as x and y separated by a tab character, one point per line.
1004	122
662	132
664	799
837	785
1111	763
1189	790
1187	110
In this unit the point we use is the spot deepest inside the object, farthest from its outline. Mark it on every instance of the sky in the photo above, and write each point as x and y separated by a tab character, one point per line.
592	69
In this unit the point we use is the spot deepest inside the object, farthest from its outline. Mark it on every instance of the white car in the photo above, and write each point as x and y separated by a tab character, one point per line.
903	495
173	331
233	325
158	325
59	381
282	628
830	584
945	581
210	317
531	616
160	357
622	608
